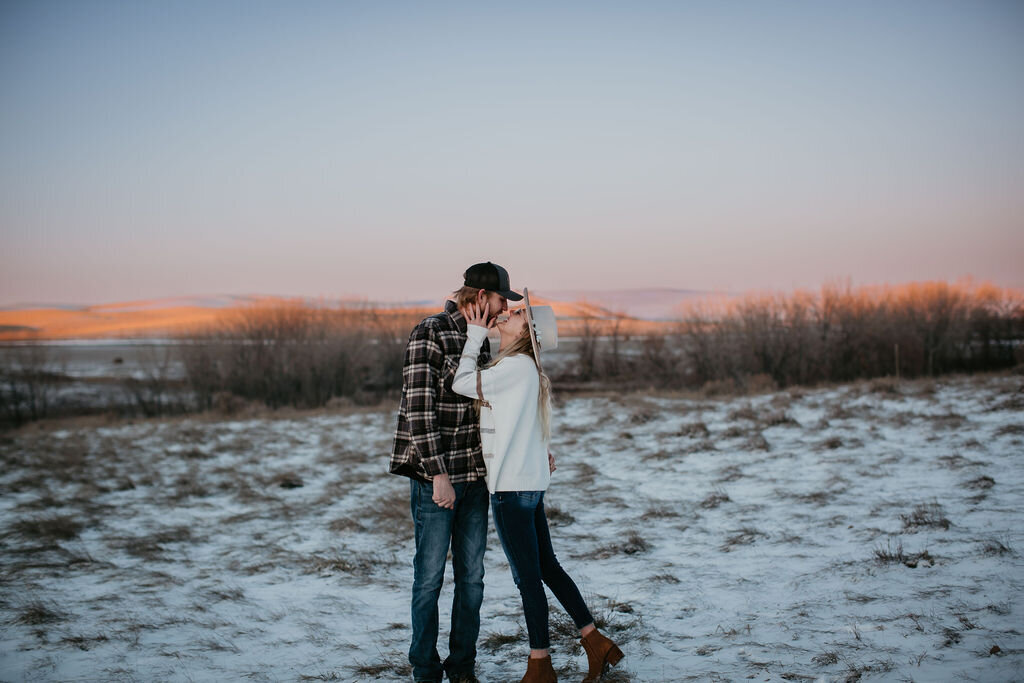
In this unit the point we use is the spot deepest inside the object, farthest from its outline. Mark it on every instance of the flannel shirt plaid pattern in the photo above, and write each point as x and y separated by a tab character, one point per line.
438	430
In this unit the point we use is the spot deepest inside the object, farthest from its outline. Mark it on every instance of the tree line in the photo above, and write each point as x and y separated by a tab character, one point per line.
303	356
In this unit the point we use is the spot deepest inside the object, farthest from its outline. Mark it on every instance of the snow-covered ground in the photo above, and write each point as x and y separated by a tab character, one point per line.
865	532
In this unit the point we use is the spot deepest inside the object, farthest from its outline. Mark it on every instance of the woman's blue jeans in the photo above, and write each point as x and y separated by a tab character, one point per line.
465	529
523	530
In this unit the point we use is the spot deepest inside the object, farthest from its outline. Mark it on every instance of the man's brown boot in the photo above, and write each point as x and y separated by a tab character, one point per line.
539	671
601	653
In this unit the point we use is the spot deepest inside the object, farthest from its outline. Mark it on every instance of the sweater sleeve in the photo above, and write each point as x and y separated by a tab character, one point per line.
465	376
496	379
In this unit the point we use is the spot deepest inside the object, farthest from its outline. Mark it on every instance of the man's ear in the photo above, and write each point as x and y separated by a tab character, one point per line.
481	297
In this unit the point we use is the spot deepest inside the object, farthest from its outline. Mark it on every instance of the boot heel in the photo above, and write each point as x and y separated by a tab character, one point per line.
614	655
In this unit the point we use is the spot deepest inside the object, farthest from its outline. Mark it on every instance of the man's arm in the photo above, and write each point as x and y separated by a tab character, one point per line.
421	372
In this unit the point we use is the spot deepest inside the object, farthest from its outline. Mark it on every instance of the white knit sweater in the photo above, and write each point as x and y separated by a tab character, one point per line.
515	453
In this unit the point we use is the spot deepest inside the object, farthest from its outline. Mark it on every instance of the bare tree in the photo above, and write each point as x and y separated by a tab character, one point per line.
29	375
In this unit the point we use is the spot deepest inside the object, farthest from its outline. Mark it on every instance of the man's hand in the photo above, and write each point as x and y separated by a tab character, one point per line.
444	493
551	463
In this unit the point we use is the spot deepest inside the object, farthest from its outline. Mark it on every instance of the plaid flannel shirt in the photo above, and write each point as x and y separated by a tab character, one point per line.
438	430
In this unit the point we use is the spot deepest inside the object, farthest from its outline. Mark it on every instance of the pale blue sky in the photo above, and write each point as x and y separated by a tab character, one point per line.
378	148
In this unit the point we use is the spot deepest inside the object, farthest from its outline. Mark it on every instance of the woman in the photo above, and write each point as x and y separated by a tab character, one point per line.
515	417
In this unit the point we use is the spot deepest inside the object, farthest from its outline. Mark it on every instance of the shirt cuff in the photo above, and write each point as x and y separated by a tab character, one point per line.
476	333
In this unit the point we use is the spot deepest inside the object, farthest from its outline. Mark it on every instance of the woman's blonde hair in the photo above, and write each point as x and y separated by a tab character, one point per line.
525	346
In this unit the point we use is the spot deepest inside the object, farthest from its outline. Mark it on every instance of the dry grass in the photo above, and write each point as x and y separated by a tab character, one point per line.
982	483
49	528
925	515
714	499
741	537
632	544
995	547
557	517
694	430
891	555
1010	430
492	642
39	613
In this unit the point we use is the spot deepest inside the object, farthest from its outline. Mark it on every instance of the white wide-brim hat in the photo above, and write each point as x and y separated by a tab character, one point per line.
543	325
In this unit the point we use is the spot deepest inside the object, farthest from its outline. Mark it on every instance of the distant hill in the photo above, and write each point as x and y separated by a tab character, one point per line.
646	304
172	316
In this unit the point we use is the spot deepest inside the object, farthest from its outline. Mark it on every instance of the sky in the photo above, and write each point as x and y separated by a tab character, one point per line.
376	149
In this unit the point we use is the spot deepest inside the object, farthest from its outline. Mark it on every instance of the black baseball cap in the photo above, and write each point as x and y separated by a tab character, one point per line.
492	277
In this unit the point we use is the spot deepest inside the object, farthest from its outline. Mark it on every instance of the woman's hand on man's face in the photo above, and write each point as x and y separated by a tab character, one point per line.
475	315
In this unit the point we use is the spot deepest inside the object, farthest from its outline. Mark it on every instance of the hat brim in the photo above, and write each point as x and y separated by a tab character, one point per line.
510	295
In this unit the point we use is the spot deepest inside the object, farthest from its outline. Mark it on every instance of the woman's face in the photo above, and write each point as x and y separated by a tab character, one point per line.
515	326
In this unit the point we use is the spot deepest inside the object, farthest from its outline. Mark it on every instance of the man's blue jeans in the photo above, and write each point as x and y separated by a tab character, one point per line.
465	529
523	529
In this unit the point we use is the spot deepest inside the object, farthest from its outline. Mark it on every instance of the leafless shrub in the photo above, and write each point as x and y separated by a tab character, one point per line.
841	333
295	354
29	375
152	390
925	515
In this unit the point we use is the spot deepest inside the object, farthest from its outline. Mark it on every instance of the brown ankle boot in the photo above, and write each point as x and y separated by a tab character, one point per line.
539	671
601	653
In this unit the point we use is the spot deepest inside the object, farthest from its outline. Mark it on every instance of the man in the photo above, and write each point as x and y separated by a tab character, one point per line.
437	445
